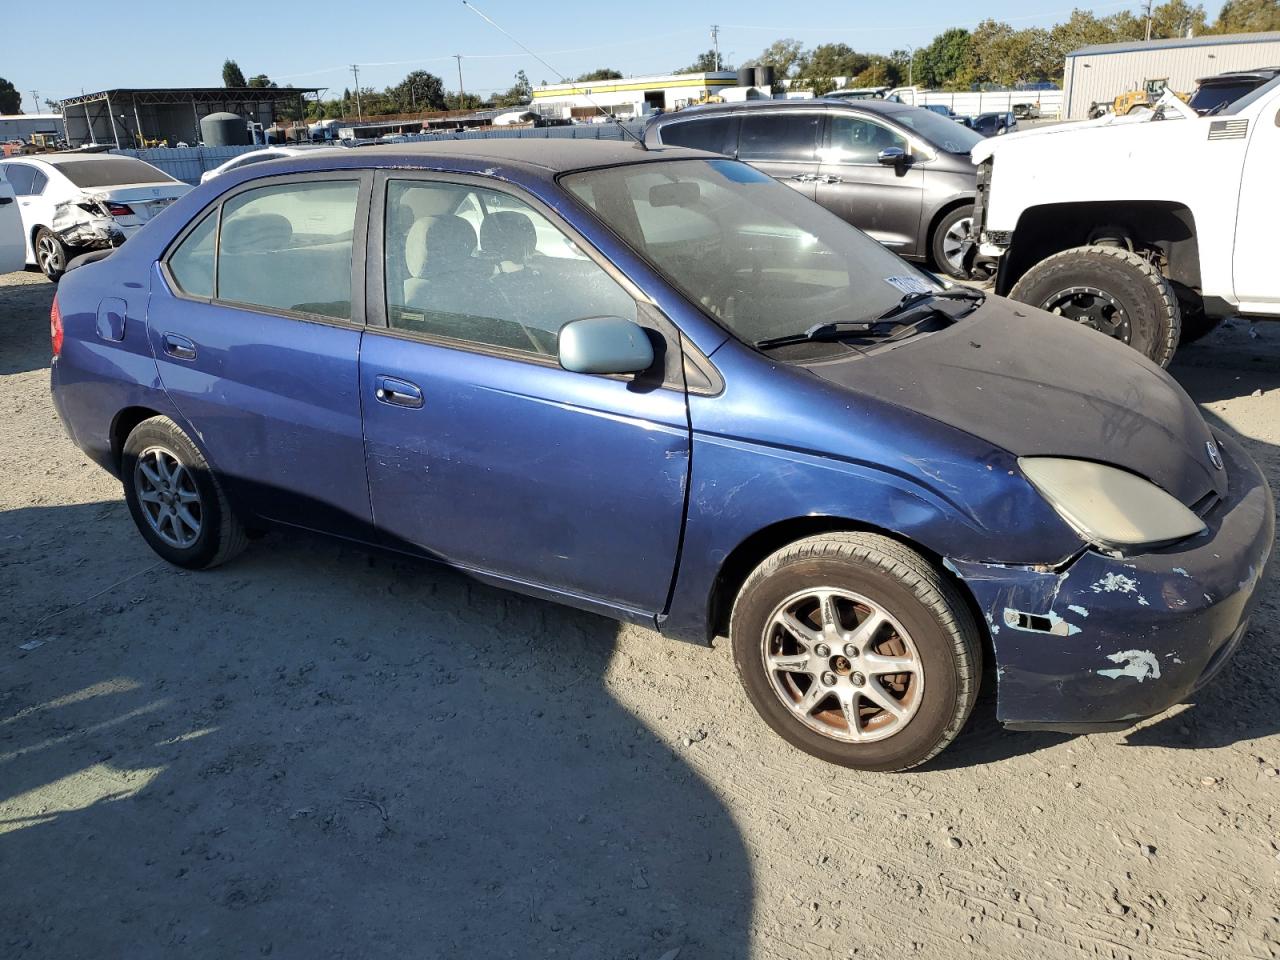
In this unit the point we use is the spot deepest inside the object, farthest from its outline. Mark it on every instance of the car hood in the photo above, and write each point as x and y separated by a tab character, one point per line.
1037	385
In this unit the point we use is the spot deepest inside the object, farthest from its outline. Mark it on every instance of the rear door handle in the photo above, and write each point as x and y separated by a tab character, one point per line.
804	177
400	393
831	179
180	348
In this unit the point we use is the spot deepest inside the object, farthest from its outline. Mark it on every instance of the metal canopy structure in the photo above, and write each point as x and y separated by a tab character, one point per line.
136	117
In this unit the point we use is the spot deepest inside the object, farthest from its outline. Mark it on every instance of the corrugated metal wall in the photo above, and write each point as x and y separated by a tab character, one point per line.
1100	77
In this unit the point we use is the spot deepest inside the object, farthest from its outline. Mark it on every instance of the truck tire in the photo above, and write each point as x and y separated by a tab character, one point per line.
1111	289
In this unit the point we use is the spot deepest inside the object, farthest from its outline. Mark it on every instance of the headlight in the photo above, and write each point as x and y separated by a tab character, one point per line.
1109	506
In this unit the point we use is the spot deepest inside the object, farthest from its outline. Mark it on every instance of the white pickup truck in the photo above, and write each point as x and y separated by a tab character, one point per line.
1151	227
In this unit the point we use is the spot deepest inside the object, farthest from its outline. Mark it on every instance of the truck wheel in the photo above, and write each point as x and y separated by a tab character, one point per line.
947	242
857	650
1112	290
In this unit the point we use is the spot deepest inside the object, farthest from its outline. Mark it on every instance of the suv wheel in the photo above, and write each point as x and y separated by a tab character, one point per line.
176	503
949	237
855	649
1111	289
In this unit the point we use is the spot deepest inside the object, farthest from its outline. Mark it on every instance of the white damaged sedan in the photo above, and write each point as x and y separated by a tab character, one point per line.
75	202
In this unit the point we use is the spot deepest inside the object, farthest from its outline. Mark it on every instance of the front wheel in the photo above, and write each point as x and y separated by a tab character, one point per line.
51	254
949	239
1111	289
174	498
855	649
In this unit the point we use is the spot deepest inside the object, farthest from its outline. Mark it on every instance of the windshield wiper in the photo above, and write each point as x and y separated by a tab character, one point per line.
912	309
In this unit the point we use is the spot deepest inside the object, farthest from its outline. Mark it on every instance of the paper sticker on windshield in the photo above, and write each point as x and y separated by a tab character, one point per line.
910	284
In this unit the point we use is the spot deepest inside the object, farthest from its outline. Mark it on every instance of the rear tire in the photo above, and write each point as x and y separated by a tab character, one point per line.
52	254
811	657
1111	289
175	500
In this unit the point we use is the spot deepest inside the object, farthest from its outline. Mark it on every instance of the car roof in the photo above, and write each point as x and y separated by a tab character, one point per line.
864	106
1257	73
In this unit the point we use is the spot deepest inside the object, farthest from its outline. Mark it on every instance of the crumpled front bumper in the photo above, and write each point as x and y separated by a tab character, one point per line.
1103	643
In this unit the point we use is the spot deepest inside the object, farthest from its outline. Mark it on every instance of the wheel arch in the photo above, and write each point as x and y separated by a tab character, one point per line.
1165	227
938	214
753	550
124	424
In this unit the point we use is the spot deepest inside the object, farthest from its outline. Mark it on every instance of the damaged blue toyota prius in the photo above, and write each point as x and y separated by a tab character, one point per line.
662	386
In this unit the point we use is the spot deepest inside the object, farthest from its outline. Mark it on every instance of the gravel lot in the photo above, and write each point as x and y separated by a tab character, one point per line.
319	752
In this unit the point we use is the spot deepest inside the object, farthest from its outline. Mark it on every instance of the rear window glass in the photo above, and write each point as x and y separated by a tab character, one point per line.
192	263
111	172
713	133
779	136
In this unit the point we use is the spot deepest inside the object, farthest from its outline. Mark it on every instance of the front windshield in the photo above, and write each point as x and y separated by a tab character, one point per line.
756	255
943	132
1251	98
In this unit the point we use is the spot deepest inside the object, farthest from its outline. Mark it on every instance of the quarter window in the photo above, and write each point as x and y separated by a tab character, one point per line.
483	267
288	247
855	140
779	136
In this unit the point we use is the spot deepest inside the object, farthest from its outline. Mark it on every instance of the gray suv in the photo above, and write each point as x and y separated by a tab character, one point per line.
899	173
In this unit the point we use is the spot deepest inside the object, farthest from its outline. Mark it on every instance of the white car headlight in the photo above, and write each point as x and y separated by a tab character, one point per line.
1109	506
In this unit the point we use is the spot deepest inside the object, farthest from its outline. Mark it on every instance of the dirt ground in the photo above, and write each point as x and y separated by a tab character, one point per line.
319	752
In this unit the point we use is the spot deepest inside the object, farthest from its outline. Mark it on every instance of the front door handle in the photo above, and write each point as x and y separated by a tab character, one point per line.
178	347
400	393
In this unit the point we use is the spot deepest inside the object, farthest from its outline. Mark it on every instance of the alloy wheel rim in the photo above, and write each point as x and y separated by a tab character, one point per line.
842	665
1092	307
954	239
50	258
169	497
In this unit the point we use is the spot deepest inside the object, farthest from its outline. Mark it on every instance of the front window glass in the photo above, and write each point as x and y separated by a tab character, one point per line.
855	140
483	267
753	253
288	247
112	172
943	132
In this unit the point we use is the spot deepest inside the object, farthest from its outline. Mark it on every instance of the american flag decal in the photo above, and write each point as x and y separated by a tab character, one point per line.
1228	129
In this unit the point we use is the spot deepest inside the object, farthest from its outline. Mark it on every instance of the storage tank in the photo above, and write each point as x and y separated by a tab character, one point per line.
224	130
764	75
747	77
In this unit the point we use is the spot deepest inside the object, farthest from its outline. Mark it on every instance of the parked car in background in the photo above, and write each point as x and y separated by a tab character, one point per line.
13	253
75	202
662	387
258	156
1026	111
1214	93
993	124
899	173
941	109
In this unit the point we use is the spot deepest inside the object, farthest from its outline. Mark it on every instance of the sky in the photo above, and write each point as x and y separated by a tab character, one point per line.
149	43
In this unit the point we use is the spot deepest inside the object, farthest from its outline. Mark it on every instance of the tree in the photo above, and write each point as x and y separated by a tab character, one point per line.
232	75
604	73
705	63
782	55
520	92
1175	18
830	60
261	82
939	63
419	90
1247	16
467	101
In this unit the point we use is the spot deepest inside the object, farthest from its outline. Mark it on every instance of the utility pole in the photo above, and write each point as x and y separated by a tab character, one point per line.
355	69
35	95
461	95
715	42
1149	19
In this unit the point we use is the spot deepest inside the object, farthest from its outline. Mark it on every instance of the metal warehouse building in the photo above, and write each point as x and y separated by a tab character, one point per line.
1099	73
20	126
629	97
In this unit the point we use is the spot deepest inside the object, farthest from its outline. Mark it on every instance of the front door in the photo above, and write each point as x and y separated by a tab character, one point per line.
1255	261
481	450
784	145
261	361
884	201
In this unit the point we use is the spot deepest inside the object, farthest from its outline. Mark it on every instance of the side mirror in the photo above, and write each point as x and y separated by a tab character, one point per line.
604	345
892	156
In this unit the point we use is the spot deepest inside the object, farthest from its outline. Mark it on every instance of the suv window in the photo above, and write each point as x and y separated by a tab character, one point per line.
856	140
712	133
192	262
20	177
480	266
288	247
779	136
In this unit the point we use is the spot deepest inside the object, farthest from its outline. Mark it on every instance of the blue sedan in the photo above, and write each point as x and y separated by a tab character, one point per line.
659	385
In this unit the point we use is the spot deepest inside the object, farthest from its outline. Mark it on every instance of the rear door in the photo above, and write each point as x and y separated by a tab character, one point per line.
1255	261
883	201
13	246
256	332
481	450
783	144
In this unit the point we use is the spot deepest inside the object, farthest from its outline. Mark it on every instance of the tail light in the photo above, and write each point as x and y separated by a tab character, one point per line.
119	209
55	327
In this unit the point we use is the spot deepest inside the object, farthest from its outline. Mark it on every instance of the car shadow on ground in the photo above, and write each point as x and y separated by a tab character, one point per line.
317	751
19	352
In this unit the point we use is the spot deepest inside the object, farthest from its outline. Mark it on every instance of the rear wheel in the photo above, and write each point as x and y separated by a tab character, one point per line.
949	238
51	254
855	649
1111	289
176	502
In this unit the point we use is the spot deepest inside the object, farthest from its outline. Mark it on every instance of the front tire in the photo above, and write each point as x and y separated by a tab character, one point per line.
947	243
51	254
1111	289
175	500
855	649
